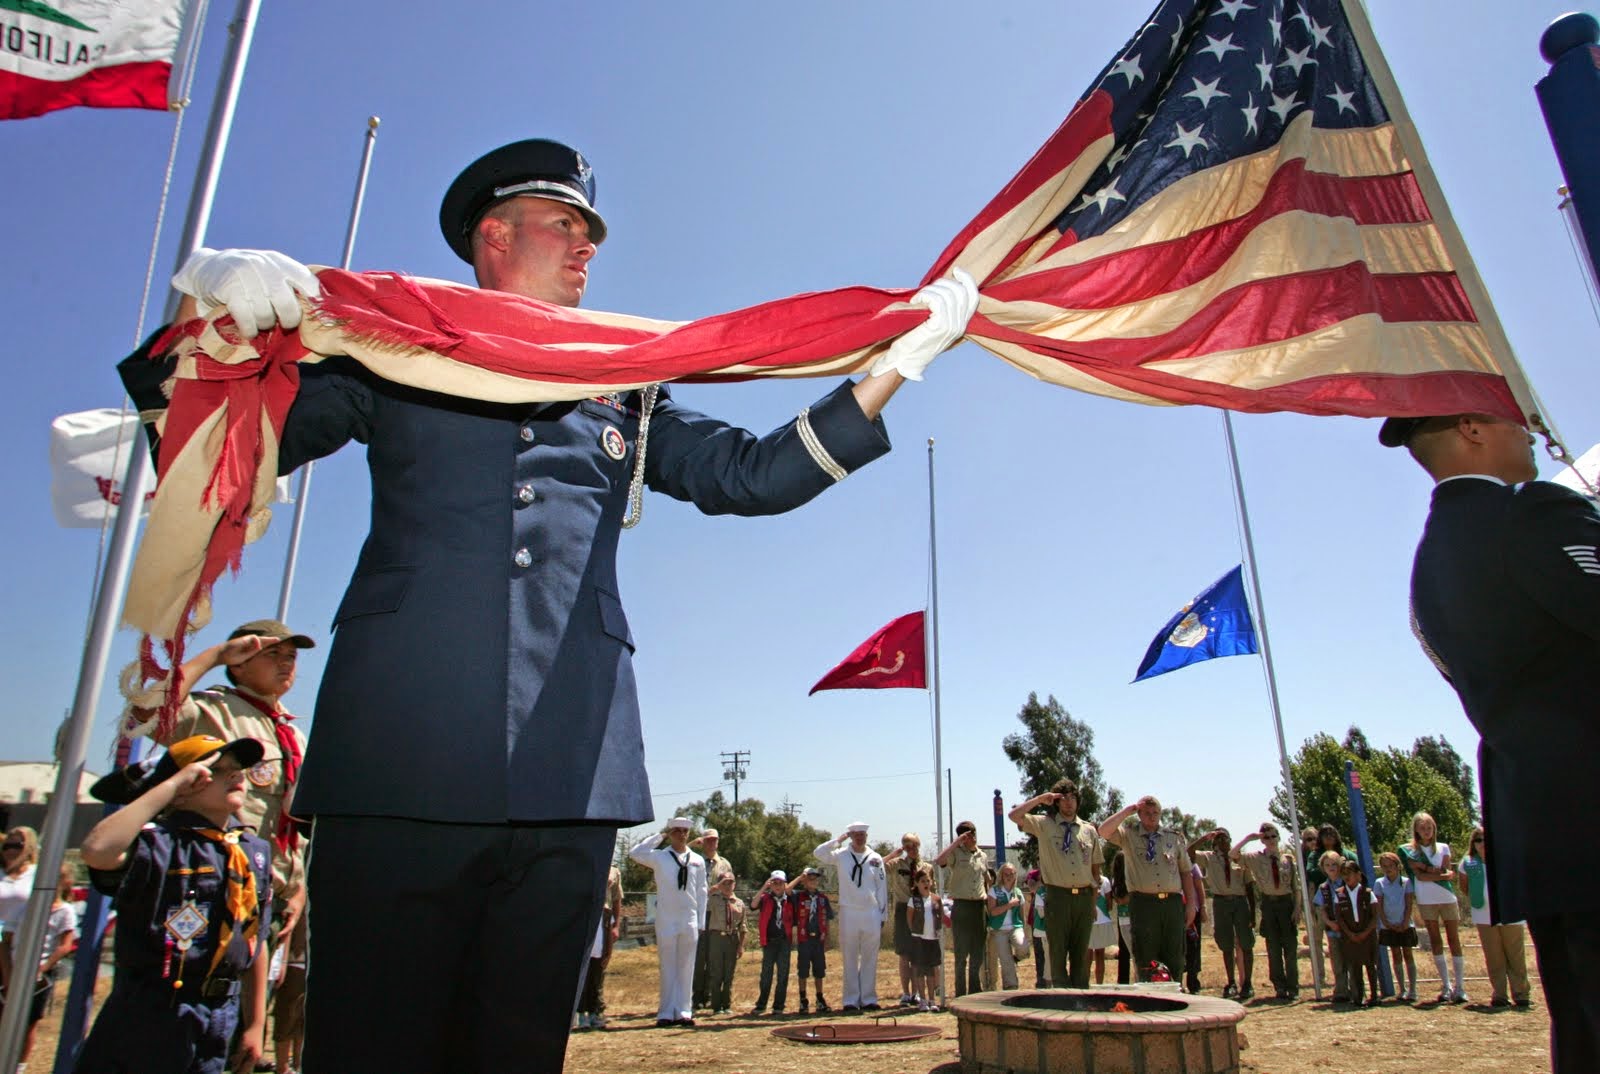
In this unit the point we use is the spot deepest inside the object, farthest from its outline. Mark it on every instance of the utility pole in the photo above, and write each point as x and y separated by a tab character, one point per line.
735	765
790	809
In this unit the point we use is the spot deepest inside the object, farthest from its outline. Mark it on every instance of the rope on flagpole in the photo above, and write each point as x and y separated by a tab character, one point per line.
180	106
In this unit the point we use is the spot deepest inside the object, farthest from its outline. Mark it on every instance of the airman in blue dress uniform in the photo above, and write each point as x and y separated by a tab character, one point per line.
482	641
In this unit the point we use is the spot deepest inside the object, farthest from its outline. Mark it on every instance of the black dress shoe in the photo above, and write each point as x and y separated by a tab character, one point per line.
664	1023
687	1023
1246	993
1229	990
872	1007
849	1007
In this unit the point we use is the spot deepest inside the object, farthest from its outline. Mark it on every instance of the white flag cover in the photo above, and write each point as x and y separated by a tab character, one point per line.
1588	465
101	53
86	465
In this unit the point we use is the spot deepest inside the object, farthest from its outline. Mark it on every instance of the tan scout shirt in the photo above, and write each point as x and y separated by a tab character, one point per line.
1223	877
716	868
1259	862
1153	865
733	920
968	879
1069	868
225	714
902	871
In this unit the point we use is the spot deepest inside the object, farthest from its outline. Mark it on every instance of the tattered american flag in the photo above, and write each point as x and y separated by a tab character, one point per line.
1236	214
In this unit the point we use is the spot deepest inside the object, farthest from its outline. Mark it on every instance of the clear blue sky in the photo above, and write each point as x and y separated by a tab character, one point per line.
745	152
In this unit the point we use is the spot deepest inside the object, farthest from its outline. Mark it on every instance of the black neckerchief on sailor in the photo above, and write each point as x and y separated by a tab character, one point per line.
683	868
855	870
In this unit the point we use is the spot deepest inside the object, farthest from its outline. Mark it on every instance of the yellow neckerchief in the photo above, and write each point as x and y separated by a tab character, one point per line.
243	903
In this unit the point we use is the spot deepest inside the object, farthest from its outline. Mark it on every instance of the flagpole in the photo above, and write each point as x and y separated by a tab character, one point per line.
292	557
97	652
1272	684
938	732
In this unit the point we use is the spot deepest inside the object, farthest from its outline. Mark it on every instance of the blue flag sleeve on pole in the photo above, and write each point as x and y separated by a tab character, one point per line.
1216	623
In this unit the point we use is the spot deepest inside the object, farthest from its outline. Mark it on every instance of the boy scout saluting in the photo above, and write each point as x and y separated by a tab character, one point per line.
724	942
717	867
1162	895
259	660
1231	914
1069	861
1272	870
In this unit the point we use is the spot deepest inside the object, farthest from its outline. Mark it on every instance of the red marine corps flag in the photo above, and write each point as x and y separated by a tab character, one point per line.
101	53
894	656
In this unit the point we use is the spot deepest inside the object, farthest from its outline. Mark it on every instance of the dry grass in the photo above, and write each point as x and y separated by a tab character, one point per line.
1307	1037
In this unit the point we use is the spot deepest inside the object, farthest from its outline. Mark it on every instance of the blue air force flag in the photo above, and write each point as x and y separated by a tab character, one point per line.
1216	623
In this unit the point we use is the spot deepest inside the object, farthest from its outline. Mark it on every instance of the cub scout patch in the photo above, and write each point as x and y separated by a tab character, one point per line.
263	773
613	443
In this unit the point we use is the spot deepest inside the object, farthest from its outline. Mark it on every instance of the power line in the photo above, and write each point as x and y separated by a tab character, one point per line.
840	779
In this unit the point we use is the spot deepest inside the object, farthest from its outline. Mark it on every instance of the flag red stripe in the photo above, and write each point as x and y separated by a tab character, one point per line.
1158	268
128	85
1278	309
1089	120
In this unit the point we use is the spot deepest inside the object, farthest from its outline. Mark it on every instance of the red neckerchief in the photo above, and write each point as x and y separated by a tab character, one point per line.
287	837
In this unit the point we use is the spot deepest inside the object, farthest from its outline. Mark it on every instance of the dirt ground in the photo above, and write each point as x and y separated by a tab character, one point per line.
1307	1037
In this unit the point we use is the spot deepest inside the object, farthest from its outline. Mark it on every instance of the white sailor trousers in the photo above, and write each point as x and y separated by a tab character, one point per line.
858	950
675	952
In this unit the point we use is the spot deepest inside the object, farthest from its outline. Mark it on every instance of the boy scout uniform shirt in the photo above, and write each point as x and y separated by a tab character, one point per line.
223	714
732	920
1223	877
967	879
902	872
716	868
1259	862
1155	861
1064	868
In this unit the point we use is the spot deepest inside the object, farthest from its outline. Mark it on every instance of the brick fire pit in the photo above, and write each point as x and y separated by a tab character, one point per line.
1062	1031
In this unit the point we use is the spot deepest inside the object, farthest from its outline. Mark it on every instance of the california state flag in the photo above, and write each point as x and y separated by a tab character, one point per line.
102	53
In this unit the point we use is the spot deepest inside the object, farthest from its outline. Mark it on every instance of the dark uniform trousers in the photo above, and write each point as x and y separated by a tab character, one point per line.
1068	920
1158	931
1568	947
1283	942
970	923
174	1033
528	898
722	957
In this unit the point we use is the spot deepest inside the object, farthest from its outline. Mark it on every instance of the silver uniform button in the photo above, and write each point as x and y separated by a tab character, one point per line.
523	558
526	432
525	494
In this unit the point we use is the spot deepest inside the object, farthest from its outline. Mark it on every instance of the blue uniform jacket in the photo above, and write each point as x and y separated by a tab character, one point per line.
482	665
1505	592
168	864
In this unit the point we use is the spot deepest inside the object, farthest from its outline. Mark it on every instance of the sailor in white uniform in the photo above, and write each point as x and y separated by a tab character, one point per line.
863	908
680	915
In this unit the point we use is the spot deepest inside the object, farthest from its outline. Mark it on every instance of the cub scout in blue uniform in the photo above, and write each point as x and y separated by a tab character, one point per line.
193	887
482	643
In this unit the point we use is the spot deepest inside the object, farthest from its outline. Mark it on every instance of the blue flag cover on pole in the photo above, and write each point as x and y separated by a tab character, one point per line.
1216	623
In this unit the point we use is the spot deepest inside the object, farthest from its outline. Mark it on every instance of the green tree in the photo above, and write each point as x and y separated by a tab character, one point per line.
1439	755
1395	785
754	841
1053	745
1186	823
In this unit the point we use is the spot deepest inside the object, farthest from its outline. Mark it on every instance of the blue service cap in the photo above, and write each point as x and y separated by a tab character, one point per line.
535	167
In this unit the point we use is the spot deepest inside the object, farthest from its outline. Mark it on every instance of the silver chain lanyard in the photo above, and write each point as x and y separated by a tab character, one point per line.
635	510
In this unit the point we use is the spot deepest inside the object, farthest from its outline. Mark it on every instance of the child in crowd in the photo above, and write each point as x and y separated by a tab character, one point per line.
193	889
1504	949
1432	872
1103	935
775	931
1326	900
1119	898
1395	930
812	911
60	930
1358	935
1006	936
927	918
1033	906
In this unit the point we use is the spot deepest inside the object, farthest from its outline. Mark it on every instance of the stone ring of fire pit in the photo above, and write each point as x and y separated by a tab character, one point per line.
1064	1031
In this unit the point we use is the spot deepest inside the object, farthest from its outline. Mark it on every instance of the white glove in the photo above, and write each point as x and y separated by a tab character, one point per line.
952	301
257	286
